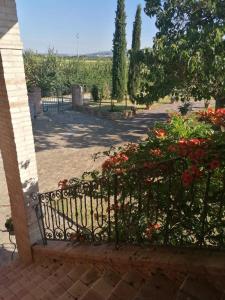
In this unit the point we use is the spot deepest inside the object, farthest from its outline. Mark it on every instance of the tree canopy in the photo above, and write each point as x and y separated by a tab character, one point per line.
188	55
134	67
119	53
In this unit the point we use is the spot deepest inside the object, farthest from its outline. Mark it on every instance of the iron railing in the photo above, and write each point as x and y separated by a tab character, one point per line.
145	206
56	104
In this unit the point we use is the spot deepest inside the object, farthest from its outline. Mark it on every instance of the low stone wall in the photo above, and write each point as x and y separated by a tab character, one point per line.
175	263
105	114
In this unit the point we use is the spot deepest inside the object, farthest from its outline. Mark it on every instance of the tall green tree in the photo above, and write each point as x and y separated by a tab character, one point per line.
119	53
134	67
188	57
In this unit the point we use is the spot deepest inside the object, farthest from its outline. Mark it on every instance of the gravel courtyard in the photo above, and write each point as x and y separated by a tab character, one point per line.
65	144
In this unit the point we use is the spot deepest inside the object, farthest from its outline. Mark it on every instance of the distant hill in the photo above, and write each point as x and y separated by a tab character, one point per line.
99	54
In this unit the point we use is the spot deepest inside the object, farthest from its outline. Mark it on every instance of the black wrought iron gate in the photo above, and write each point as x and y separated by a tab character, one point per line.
56	104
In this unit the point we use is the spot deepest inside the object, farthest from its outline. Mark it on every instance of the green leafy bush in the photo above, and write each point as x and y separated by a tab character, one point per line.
95	93
9	225
52	72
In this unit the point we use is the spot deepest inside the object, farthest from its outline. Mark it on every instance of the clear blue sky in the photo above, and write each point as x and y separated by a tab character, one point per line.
55	23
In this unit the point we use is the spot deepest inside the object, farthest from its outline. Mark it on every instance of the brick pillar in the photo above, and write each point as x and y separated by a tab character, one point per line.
77	96
16	137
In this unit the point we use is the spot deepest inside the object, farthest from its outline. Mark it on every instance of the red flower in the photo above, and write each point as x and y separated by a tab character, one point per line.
63	184
114	161
151	228
216	117
172	148
187	178
195	171
160	133
214	164
156	152
198	154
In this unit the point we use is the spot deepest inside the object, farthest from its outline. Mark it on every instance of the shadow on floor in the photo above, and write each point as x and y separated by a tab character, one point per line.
8	253
79	130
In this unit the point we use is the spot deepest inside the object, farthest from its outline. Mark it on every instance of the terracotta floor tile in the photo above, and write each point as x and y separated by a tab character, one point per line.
90	276
57	290
134	279
67	296
105	284
47	284
63	270
200	289
66	282
28	297
37	292
159	287
77	271
78	289
113	297
92	295
4	293
124	291
48	296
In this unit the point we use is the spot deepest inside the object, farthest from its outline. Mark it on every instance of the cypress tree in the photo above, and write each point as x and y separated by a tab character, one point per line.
134	69
119	53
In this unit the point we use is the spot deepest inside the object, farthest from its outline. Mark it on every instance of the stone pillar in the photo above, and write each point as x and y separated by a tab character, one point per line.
16	137
77	96
35	103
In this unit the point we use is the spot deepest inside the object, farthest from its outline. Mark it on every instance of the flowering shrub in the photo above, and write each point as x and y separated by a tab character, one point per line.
196	173
63	184
169	189
215	117
189	140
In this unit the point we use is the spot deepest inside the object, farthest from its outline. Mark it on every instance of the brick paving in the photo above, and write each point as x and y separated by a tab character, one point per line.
65	144
62	271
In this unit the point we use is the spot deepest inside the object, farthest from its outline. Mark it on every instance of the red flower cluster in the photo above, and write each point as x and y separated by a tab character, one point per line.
151	228
190	174
156	152
63	184
160	133
193	172
214	164
216	117
190	148
114	161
